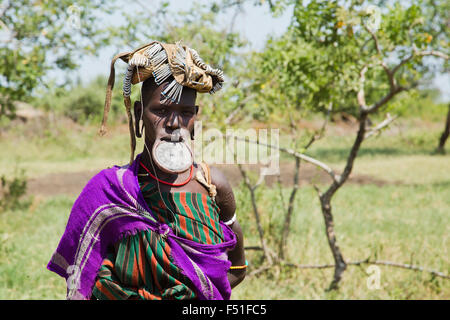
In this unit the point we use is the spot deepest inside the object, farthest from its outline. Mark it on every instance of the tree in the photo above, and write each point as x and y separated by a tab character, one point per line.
196	26
444	136
348	56
38	36
436	13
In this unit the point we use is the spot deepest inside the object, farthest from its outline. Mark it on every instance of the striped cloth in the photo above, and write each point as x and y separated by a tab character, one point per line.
141	267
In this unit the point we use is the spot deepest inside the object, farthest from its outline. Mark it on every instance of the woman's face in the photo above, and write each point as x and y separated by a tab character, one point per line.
161	120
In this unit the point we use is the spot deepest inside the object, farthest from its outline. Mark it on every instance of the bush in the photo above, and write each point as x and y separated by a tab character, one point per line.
423	104
12	192
81	102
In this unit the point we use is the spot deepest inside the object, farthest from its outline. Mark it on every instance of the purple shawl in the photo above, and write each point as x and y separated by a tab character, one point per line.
112	206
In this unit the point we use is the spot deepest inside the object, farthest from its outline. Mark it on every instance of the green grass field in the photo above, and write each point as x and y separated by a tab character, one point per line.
404	220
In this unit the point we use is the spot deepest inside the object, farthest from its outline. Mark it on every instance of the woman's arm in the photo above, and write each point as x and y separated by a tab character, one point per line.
237	257
227	204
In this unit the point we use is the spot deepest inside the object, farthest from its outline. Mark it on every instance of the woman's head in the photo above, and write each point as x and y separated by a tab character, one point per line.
171	72
161	120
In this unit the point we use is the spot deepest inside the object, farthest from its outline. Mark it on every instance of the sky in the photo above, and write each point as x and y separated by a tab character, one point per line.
256	23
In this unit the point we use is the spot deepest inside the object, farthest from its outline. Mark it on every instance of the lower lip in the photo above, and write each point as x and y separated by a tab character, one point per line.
170	140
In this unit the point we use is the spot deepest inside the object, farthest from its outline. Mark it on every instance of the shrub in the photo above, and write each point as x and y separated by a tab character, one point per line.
13	191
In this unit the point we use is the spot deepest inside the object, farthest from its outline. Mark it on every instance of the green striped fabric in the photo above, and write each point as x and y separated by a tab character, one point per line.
196	215
141	266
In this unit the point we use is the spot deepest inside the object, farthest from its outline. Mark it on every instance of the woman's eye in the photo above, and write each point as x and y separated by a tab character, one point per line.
188	113
161	110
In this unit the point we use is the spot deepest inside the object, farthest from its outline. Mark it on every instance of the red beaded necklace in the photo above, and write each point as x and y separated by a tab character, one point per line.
168	183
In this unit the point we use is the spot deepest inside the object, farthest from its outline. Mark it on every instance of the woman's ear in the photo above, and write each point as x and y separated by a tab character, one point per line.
137	118
192	131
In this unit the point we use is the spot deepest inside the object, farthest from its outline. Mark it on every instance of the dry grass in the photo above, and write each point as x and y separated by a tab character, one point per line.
405	220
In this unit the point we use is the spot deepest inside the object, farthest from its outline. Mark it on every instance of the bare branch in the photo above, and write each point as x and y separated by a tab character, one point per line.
392	93
319	133
382	62
445	134
410	267
12	33
253	248
239	108
296	154
325	204
309	266
280	190
432	53
4	26
417	53
386	122
339	261
361	96
4	7
313	161
402	62
288	216
260	270
390	73
237	11
319	194
375	262
251	188
260	179
325	198
375	39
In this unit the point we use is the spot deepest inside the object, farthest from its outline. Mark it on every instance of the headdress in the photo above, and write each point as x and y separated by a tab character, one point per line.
161	61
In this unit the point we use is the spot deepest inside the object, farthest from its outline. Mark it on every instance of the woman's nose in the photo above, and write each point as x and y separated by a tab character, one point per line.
173	122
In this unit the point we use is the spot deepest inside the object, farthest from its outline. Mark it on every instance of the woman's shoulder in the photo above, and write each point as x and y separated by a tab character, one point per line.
219	179
225	196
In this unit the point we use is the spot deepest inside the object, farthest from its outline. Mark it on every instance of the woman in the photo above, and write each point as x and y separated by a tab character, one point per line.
162	227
